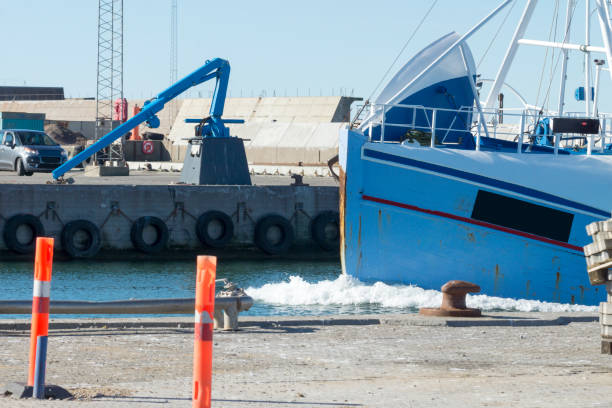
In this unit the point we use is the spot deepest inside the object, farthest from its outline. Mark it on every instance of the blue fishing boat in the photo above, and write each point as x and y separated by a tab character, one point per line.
438	185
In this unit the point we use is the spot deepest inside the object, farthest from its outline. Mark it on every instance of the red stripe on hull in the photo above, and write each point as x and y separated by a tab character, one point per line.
474	222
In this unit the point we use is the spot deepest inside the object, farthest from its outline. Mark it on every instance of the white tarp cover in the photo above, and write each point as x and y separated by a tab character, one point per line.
450	67
412	78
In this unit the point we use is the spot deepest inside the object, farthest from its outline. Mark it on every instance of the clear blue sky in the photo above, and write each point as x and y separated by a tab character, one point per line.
286	47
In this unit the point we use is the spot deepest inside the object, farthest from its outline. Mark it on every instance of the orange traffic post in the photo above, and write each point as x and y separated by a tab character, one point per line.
203	346
43	264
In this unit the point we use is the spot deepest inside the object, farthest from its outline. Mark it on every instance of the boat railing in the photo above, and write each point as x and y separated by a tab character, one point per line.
511	124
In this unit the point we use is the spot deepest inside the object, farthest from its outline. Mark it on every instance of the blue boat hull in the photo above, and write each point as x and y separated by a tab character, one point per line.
401	223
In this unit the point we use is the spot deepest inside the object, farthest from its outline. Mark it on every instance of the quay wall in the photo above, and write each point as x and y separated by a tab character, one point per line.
276	130
79	114
114	208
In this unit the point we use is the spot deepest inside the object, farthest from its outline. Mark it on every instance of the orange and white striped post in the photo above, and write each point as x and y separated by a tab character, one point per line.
203	346
43	264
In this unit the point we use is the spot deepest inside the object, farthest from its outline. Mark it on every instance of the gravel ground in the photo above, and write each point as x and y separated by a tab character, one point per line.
503	360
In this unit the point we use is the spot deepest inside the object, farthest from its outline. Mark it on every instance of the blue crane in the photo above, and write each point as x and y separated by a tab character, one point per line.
212	127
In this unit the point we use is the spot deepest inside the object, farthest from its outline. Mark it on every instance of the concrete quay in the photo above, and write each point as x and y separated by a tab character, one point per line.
499	360
283	130
114	204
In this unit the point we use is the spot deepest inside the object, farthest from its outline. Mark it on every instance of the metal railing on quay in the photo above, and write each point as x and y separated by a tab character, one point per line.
131	306
226	308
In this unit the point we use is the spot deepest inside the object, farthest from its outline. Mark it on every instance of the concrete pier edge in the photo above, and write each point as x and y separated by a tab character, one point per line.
503	319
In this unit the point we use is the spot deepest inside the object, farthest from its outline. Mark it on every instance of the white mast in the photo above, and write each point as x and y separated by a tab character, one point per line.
598	64
587	60
606	34
510	53
566	39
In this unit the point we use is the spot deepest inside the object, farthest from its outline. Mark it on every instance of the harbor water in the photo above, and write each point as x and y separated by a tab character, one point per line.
278	287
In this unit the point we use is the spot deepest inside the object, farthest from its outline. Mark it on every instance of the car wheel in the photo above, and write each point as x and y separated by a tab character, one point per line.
28	173
19	167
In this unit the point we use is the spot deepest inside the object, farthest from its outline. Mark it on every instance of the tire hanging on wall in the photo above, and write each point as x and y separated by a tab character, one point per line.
137	231
76	249
10	233
265	243
318	230
203	233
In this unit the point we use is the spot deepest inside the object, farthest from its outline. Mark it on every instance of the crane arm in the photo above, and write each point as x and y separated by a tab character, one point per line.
217	68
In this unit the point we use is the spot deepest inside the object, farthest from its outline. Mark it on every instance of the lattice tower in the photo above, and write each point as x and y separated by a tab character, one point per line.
110	74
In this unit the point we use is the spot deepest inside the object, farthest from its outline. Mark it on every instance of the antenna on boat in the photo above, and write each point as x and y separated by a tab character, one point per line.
598	63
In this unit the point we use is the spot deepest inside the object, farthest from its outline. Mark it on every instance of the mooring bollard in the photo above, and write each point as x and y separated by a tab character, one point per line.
453	300
226	318
229	302
40	314
202	345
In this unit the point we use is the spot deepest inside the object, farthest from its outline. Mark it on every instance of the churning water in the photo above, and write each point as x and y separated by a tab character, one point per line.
278	287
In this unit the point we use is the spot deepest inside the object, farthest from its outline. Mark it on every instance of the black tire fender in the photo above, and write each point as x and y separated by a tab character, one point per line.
318	231
10	233
262	239
137	234
91	247
226	224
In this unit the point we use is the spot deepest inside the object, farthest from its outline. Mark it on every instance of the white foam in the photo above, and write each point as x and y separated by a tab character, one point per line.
347	290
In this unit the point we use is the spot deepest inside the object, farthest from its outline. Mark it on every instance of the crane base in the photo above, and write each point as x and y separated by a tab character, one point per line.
216	160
